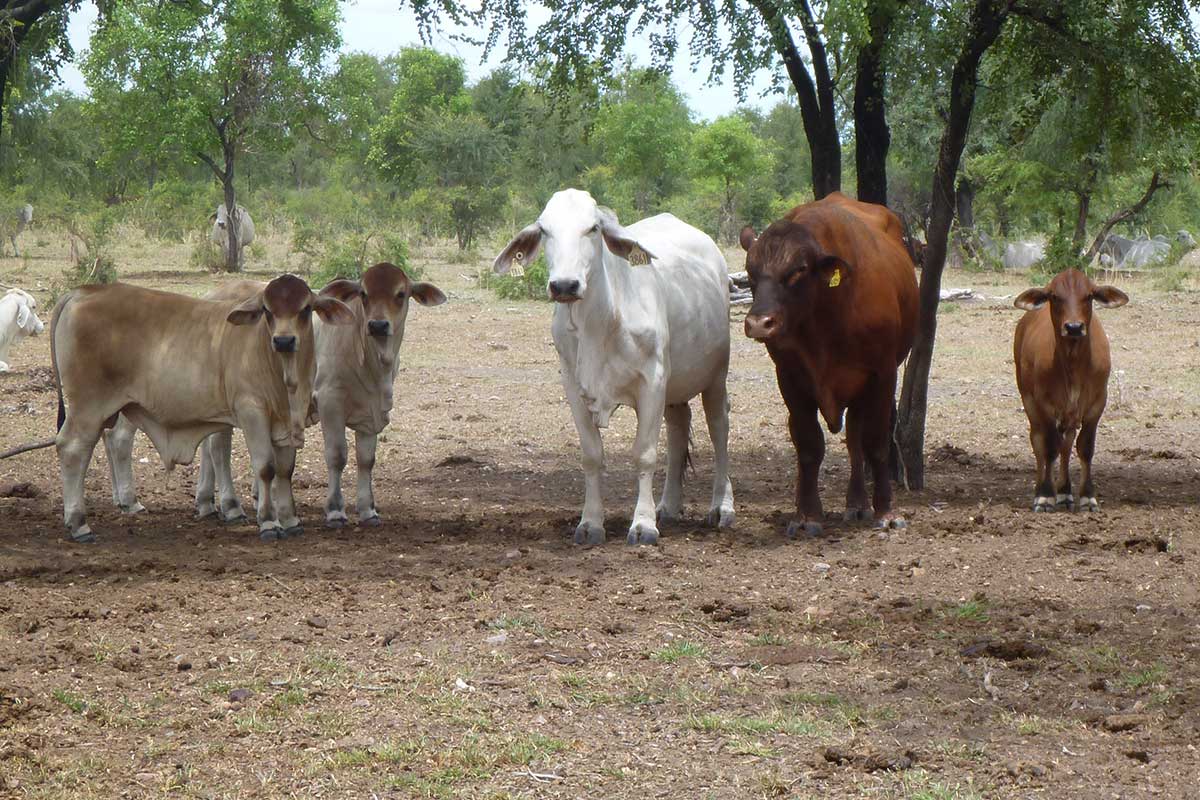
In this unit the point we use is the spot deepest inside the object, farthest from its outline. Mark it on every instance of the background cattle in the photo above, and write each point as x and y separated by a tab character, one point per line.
1022	255
1062	364
182	368
220	230
835	303
651	337
18	319
15	225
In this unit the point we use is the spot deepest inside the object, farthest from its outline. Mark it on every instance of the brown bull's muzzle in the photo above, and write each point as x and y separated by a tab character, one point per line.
1074	330
762	327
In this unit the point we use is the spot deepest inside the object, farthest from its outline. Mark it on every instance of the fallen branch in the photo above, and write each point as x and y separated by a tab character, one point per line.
25	448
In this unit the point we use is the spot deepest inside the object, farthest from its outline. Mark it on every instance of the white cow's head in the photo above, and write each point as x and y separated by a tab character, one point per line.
574	230
27	319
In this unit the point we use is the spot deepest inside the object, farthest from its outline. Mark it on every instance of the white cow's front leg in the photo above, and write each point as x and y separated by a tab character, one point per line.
281	491
220	452
364	451
118	445
590	529
716	414
262	459
333	430
679	424
645	454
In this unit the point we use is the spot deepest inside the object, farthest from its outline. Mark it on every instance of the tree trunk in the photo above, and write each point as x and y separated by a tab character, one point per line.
1081	217
872	138
1156	183
987	19
233	250
816	98
964	204
5	66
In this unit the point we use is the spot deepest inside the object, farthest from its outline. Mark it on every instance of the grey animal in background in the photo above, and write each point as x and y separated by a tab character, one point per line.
1116	248
1023	255
1185	239
1144	252
989	247
220	229
21	219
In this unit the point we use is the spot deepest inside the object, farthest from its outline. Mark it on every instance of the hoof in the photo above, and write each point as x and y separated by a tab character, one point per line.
642	533
293	532
233	514
856	515
589	533
271	535
236	519
667	515
83	535
373	521
1043	505
721	517
1064	502
803	529
894	523
1088	504
136	508
206	511
336	519
336	523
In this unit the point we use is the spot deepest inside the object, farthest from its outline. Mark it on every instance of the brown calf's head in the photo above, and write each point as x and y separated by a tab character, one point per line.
385	290
1070	295
789	273
286	304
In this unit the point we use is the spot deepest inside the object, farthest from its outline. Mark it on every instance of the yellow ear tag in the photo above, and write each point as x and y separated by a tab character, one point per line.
517	269
835	278
637	257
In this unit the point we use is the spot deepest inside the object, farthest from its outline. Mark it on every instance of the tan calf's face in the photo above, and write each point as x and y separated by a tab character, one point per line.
385	291
1070	295
287	305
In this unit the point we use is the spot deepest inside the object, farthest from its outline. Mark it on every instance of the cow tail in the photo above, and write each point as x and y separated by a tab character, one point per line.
59	310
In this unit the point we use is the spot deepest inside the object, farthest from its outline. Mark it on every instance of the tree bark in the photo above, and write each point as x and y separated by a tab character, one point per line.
816	98
986	21
233	250
872	137
1081	216
1156	183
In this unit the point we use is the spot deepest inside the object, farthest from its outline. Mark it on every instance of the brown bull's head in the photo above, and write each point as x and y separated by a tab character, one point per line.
385	290
789	273
1070	295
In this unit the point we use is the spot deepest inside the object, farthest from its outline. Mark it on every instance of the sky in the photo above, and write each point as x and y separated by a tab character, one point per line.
381	28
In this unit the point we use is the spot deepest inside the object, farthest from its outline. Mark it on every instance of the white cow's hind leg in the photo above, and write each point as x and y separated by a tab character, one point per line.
716	415
650	410
220	451
281	491
679	424
590	529
333	429
364	450
118	445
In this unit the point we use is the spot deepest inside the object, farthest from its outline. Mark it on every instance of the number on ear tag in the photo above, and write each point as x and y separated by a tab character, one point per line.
638	257
836	278
517	269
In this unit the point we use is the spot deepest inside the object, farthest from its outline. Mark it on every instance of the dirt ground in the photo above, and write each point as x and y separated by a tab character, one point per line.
468	649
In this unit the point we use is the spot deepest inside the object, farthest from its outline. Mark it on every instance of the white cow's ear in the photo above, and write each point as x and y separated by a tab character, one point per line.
427	294
621	242
23	315
248	312
522	249
1032	299
332	310
1109	297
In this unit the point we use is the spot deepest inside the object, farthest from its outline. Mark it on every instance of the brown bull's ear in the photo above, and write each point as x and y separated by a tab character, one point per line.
332	310
522	249
343	290
1032	299
427	294
248	312
747	238
831	268
621	242
1109	297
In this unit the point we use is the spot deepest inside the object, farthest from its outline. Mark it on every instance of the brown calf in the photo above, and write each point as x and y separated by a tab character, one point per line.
835	302
1062	363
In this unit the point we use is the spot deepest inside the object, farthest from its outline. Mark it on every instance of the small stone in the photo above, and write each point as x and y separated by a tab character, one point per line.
240	695
1117	723
146	777
917	572
821	566
498	638
183	664
317	622
513	554
1141	608
1138	755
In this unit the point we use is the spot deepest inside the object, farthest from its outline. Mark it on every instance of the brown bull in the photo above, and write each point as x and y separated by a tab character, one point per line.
181	368
1062	363
835	302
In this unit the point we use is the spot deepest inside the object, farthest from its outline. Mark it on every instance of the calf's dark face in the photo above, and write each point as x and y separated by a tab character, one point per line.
385	291
788	271
1070	295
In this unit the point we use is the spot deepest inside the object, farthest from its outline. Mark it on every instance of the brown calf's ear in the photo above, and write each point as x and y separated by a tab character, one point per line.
1109	297
427	294
621	243
343	290
747	238
523	248
332	310
248	312
1032	299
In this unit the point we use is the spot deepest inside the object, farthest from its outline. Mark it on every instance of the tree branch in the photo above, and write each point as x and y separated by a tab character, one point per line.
1156	183
220	173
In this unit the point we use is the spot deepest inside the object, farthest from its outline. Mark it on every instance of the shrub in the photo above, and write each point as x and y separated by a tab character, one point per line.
348	256
529	286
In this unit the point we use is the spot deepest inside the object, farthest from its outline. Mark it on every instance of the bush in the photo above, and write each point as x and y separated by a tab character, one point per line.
1060	254
347	256
529	286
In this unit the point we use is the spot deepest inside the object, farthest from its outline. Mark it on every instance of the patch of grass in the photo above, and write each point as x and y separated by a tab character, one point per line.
70	700
1102	658
324	663
1140	679
528	748
768	640
219	688
289	699
788	724
971	611
843	711
677	651
918	784
251	723
966	751
750	747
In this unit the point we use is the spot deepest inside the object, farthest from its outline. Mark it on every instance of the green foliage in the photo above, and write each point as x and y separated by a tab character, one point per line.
349	255
728	154
1061	254
529	286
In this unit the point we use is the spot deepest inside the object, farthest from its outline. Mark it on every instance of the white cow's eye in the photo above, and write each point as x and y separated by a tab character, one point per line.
594	228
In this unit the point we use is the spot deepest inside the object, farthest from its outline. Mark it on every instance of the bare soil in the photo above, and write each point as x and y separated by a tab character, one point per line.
468	649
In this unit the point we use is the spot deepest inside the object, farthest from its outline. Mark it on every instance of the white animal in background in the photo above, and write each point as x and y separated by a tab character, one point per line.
651	337
18	319
220	229
15	226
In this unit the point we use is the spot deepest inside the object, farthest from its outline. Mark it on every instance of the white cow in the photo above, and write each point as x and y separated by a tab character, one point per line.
18	319
220	229
652	337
